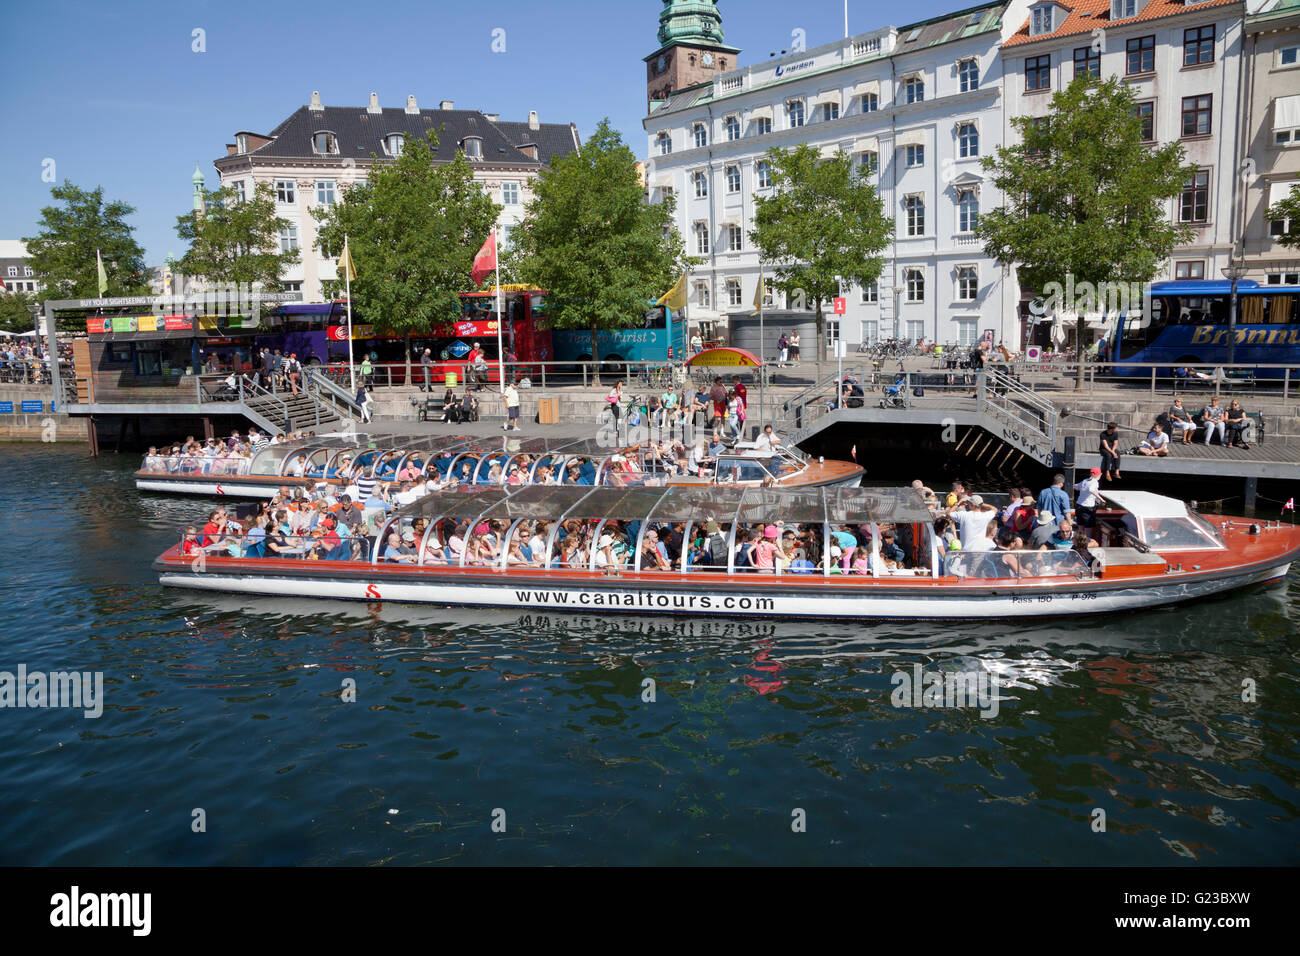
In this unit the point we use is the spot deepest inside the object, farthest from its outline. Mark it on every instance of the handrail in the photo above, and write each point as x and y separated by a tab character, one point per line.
317	382
250	386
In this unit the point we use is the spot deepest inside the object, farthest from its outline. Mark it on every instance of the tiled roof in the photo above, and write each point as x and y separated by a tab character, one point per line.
361	133
1087	15
553	140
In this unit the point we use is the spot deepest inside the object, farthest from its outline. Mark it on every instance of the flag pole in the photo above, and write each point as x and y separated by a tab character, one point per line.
501	318
347	282
762	382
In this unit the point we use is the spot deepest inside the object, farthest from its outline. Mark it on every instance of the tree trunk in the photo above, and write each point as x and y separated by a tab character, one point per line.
407	339
821	333
595	356
1078	354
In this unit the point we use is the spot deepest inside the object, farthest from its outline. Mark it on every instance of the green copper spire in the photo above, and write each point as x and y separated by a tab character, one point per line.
198	189
690	21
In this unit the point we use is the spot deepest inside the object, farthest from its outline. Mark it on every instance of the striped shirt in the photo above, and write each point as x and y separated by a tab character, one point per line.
365	485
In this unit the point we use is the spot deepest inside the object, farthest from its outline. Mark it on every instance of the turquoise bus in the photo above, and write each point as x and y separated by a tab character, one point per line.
659	337
1189	325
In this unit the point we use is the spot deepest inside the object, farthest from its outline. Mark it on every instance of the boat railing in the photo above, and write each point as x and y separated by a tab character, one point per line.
997	565
165	465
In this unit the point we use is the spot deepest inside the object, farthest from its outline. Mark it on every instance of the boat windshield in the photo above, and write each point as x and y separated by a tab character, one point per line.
745	469
1015	564
1190	533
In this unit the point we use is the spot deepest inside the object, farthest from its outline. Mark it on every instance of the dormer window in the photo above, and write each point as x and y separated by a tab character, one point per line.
1042	19
1124	9
473	147
324	143
241	143
393	144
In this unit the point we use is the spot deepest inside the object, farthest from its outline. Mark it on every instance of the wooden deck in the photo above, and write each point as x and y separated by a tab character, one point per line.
1276	458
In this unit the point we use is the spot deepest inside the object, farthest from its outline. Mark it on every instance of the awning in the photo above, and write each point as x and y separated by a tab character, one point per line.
828	96
829	151
870	86
1286	112
725	358
913	137
968	121
914	75
1280	191
760	112
866	144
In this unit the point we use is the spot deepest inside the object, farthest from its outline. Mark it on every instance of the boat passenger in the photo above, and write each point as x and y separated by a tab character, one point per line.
654	556
399	548
605	557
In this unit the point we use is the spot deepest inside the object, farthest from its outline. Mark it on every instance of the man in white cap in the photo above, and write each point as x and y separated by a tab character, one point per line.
605	552
972	520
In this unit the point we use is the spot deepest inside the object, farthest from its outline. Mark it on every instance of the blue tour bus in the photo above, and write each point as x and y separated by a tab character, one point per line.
1188	325
658	338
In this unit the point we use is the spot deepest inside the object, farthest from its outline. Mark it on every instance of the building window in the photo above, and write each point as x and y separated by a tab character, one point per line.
968	283
915	207
735	238
1197	114
733	179
473	146
27	270
763	173
830	111
701	181
1146	112
1198	45
734	297
913	156
968	75
1087	62
870	331
1279	227
1194	205
701	134
291	286
241	143
832	333
324	144
289	239
1288	56
324	192
914	282
1141	55
702	295
1041	20
13	272
732	126
794	109
1283	278
968	140
239	190
284	193
967	332
1123	9
510	193
665	144
871	292
1190	269
913	90
870	102
968	210
869	164
702	238
394	143
1038	73
762	125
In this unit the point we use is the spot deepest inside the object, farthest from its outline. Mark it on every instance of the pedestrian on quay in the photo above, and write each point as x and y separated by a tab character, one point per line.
426	365
511	395
1110	453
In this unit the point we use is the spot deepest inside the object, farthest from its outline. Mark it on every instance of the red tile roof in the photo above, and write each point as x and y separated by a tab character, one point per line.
1087	15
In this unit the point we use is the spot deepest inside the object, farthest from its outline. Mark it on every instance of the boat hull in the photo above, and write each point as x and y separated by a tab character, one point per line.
730	595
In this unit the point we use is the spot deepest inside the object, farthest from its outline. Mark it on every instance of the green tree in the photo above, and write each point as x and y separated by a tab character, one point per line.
1084	196
15	316
1288	209
593	242
63	252
413	229
822	225
235	241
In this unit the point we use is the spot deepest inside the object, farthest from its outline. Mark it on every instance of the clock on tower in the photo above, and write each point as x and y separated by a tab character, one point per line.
691	49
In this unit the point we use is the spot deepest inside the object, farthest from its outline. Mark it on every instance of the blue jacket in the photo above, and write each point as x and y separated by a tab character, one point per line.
1055	500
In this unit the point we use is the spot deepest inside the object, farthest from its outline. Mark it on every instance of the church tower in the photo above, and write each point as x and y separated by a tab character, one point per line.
690	51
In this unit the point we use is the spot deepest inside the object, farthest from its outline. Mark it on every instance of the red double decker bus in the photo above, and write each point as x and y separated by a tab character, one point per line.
525	335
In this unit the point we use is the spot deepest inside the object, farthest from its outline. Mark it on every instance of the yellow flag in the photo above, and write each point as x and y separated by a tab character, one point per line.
758	296
102	276
675	298
345	262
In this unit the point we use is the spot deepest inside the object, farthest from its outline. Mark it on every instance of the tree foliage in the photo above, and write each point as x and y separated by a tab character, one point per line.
823	224
1084	196
15	316
413	229
593	242
235	240
1288	209
63	251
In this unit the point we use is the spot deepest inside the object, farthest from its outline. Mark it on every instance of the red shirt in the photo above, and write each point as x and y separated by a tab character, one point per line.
209	529
743	392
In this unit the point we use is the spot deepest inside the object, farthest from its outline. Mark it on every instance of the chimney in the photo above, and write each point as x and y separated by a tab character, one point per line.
374	104
315	101
532	120
447	105
492	117
411	105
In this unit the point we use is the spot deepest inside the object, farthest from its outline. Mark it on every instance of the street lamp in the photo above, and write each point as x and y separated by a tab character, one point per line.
1234	270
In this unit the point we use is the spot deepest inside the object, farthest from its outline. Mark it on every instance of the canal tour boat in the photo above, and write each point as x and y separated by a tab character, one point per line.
521	549
482	462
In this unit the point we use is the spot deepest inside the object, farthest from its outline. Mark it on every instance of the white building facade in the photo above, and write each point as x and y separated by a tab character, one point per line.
915	107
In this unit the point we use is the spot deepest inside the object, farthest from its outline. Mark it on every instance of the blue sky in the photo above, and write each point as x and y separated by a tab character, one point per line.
115	95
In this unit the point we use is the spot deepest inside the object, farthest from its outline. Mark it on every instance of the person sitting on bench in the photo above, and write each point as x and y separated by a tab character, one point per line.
1180	422
1236	423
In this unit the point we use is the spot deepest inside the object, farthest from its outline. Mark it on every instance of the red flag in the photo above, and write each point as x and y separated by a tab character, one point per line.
1290	505
853	452
486	260
3	287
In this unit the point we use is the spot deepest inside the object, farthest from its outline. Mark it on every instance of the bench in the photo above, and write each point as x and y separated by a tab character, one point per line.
426	406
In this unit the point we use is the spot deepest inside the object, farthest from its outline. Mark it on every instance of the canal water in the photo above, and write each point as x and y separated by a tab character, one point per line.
496	737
